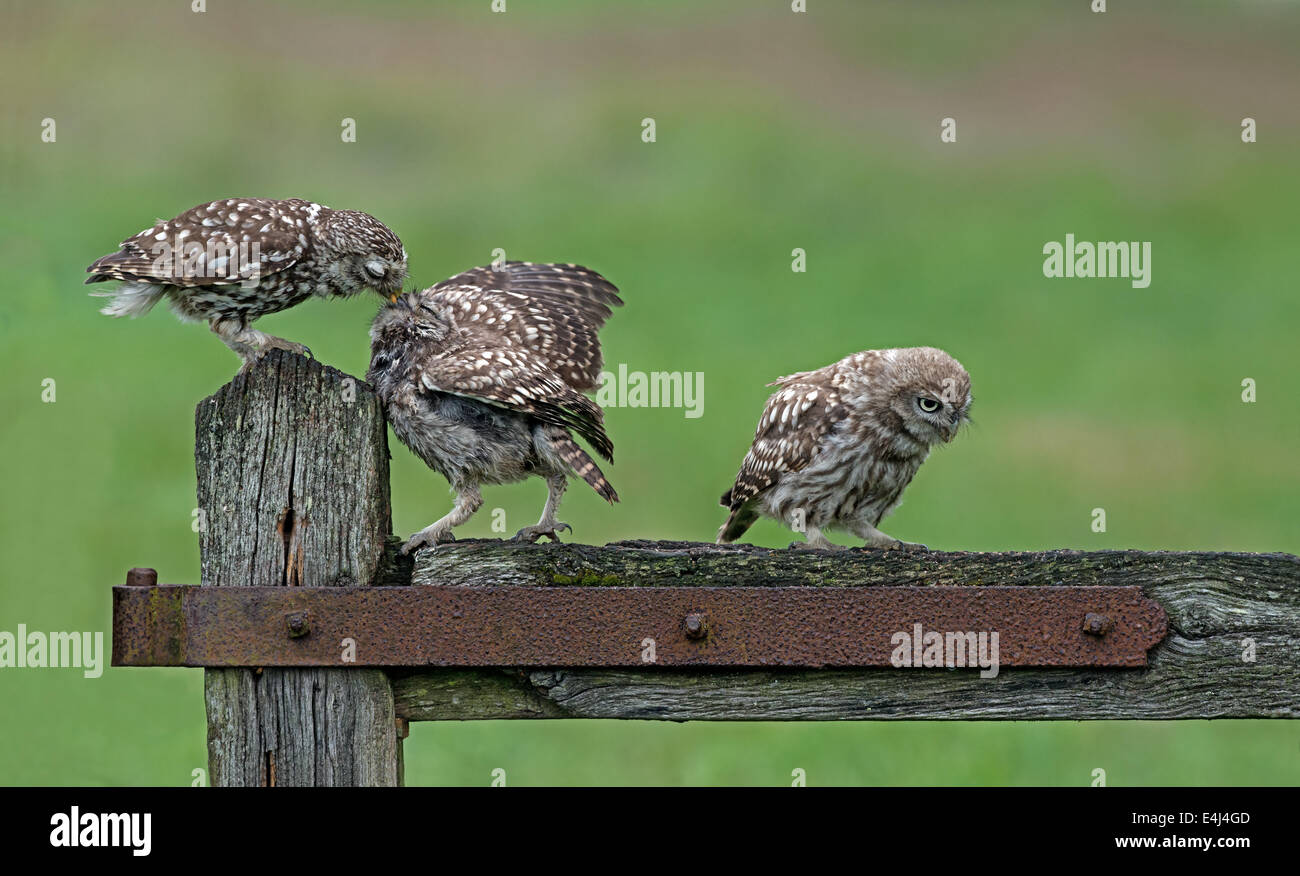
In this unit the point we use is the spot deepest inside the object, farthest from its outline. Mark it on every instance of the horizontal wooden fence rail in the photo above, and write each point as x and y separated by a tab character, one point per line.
1230	650
320	641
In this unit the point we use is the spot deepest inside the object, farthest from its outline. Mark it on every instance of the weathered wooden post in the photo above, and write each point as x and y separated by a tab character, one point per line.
292	464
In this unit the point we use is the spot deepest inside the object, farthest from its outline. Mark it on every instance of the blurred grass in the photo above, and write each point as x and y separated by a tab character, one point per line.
775	131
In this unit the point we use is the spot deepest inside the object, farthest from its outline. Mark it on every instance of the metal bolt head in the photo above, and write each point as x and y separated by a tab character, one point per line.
297	624
142	578
696	625
1097	624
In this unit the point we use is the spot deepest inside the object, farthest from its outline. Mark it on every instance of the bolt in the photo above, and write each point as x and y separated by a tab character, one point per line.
1097	624
697	627
297	624
142	578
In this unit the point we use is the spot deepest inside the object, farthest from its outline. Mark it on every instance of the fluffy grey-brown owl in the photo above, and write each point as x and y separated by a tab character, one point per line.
483	376
836	447
229	262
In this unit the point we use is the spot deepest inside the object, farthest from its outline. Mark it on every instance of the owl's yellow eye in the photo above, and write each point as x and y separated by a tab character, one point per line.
928	405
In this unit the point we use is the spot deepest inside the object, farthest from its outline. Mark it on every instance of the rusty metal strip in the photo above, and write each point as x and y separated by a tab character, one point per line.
627	626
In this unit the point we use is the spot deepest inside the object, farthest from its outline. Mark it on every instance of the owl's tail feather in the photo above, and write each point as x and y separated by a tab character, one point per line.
131	299
738	521
584	467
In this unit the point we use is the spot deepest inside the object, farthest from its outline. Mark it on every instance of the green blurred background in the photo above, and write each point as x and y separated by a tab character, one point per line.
775	130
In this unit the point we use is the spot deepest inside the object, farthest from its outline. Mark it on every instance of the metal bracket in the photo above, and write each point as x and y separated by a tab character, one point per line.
596	626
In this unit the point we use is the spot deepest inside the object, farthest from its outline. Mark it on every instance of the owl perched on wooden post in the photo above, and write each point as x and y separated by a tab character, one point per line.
836	447
229	262
483	376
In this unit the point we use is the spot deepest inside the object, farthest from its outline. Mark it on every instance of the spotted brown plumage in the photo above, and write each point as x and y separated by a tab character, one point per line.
514	378
230	261
483	376
835	448
553	311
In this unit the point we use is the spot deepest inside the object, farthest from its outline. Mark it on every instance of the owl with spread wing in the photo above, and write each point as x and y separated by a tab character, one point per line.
483	377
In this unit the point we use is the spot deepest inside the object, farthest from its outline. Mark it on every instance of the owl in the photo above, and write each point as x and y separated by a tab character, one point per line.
231	261
836	447
482	376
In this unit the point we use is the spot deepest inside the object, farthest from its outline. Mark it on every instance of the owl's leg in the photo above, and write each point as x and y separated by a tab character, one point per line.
468	500
547	526
877	539
817	541
250	344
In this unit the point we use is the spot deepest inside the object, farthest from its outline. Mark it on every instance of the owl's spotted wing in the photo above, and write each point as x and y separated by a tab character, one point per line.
517	380
553	311
221	242
795	421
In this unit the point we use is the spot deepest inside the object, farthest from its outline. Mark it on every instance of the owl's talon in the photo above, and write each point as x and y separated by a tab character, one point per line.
431	537
531	534
252	354
821	546
273	343
905	547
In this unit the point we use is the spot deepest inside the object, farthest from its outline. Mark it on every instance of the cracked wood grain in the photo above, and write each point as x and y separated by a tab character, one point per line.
292	464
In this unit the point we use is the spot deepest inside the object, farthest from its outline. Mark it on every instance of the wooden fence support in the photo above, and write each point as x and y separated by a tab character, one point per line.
292	463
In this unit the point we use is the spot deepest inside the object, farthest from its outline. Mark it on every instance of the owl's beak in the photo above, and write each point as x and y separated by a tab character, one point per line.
955	420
